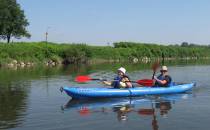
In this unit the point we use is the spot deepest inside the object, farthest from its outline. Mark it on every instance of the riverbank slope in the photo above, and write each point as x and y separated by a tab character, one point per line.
31	53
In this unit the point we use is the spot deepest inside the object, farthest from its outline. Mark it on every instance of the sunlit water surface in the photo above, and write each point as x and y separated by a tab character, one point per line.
31	99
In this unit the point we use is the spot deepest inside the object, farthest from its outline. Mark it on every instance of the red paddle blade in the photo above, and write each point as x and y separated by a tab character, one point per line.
82	78
84	112
155	66
145	82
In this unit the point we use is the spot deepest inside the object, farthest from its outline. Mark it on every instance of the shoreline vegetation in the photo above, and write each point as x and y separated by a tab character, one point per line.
24	54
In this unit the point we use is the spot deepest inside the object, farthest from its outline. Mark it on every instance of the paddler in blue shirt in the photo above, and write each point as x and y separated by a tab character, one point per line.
121	80
164	79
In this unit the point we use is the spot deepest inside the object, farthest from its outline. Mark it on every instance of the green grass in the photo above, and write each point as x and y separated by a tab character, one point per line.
39	52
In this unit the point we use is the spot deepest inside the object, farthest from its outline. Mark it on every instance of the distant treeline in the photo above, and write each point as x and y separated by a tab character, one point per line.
41	52
184	50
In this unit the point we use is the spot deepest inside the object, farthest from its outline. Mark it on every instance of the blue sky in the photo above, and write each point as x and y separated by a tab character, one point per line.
100	22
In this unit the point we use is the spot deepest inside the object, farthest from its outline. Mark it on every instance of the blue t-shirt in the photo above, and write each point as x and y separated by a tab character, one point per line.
162	77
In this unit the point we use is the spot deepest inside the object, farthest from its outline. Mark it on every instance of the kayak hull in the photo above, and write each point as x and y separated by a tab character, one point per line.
79	92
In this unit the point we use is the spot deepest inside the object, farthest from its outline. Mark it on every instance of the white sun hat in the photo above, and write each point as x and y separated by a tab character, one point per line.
122	70
164	68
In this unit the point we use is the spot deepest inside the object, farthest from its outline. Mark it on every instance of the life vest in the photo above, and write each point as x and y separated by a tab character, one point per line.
117	80
162	77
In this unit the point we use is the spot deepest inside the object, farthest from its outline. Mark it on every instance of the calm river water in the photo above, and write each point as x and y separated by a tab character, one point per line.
30	99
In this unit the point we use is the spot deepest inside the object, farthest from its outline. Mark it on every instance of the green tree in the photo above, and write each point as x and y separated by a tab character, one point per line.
184	44
12	20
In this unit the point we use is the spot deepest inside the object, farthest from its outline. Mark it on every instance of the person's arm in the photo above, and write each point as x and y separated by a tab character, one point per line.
127	82
107	83
163	82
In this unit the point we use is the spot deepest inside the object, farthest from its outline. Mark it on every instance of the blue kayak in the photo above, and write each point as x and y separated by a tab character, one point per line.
79	92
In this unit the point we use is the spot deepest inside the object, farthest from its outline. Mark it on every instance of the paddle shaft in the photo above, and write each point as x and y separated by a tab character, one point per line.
153	74
141	82
144	82
112	80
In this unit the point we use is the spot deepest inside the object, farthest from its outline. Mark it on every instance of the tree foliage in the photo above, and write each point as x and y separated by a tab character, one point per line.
77	53
12	20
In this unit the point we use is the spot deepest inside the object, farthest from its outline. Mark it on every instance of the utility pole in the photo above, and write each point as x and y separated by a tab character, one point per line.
46	38
46	34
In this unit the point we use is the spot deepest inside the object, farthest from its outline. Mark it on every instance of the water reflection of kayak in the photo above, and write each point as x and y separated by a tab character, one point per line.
143	106
77	92
115	102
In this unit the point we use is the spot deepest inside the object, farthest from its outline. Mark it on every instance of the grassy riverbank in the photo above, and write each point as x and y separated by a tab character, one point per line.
42	53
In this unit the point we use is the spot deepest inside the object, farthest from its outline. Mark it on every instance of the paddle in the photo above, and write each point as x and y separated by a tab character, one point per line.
155	66
85	78
144	82
149	82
